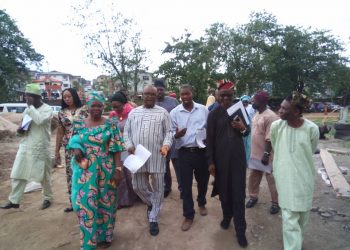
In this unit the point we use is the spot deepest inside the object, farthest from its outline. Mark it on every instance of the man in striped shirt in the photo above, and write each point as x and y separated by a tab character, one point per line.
149	125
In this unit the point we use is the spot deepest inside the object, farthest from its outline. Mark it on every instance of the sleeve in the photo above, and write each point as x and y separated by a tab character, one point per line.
211	128
40	117
267	122
76	143
116	143
174	124
273	134
315	135
168	139
128	132
206	113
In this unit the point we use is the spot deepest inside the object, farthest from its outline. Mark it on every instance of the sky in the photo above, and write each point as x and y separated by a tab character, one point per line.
43	23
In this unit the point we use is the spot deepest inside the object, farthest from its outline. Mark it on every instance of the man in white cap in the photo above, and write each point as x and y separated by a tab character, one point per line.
33	162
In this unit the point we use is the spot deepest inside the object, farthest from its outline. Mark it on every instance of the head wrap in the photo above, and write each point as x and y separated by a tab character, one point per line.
94	96
225	84
262	96
159	83
298	99
245	98
120	97
33	88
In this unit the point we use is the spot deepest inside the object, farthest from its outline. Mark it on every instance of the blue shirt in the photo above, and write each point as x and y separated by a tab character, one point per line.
192	120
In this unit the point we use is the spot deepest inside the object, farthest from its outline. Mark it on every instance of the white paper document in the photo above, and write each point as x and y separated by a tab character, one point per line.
238	109
26	122
201	135
135	161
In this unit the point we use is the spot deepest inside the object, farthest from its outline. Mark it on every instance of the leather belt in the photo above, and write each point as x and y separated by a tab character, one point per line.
192	149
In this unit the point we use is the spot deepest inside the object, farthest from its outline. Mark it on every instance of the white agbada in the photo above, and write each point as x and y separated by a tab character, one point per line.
33	155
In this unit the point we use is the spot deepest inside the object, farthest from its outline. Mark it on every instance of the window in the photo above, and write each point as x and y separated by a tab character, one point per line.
145	78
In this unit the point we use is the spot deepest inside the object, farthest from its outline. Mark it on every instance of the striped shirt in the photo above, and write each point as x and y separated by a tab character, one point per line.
149	127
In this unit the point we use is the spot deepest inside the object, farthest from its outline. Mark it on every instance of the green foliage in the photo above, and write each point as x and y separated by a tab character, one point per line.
16	53
256	53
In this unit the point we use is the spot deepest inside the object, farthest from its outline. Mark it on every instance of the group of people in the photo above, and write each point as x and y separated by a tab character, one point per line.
96	146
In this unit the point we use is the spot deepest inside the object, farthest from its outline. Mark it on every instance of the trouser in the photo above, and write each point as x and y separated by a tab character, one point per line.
152	194
193	161
18	186
294	225
235	209
175	162
69	172
167	177
255	177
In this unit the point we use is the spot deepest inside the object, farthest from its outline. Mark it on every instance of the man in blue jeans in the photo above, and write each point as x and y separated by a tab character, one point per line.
188	119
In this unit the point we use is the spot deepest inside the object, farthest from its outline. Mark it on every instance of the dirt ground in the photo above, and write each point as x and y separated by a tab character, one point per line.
32	228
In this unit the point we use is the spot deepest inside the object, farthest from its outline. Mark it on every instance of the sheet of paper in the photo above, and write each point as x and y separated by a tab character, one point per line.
26	122
237	106
201	135
135	161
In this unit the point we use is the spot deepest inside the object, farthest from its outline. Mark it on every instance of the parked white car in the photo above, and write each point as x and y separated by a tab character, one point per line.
13	107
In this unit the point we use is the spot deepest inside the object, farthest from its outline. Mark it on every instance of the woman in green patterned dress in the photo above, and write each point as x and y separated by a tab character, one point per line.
97	168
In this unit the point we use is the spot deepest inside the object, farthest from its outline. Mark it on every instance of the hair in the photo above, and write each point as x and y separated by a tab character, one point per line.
76	99
119	97
149	86
297	105
188	87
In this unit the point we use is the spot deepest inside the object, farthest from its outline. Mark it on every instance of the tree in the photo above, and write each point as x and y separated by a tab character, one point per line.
16	54
111	42
192	63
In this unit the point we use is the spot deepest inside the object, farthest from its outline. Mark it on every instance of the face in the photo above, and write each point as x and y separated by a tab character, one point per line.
149	97
225	98
30	99
256	103
160	92
68	98
96	109
117	106
186	96
285	111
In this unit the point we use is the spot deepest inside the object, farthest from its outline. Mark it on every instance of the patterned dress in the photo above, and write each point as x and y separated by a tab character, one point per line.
65	119
94	191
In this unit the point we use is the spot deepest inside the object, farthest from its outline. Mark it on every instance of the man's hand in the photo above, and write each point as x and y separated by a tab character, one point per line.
20	131
131	150
180	133
265	159
239	125
164	150
211	169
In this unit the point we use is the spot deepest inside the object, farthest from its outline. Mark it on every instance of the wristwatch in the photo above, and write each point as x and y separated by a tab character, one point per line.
267	153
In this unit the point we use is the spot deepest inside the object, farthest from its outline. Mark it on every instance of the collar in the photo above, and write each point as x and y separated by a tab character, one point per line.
195	106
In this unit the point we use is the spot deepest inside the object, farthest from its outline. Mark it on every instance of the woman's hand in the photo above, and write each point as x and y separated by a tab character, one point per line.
78	155
118	175
57	158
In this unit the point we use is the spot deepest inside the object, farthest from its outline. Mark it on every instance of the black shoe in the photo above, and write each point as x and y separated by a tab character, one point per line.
251	202
9	205
68	209
274	209
153	228
46	204
242	241
149	209
166	193
225	223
